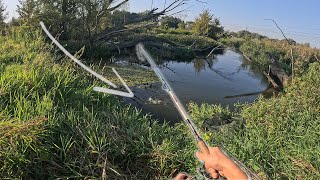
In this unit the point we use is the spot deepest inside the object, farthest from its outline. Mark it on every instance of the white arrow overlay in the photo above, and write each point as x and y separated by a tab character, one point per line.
99	89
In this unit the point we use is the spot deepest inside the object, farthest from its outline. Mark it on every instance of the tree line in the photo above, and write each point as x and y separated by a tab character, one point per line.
108	23
85	19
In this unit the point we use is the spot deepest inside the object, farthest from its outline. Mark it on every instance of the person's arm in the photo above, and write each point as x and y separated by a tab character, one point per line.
218	163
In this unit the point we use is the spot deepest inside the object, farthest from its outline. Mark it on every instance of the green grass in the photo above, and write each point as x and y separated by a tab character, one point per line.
278	136
53	125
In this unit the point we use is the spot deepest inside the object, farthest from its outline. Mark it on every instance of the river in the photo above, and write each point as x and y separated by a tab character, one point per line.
225	79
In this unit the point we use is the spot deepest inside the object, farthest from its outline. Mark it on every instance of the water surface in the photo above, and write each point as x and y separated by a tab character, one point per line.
219	80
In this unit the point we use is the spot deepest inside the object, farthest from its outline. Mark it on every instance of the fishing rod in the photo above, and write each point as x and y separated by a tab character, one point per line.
166	87
202	145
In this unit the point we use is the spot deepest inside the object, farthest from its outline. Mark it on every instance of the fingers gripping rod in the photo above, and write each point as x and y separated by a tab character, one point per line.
143	54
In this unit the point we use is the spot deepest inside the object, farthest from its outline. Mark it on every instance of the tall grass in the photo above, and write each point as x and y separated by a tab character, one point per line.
52	125
278	136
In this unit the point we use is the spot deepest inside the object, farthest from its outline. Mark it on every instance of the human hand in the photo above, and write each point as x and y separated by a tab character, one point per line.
217	163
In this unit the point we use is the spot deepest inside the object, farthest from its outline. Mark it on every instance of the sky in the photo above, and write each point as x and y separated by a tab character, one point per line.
298	19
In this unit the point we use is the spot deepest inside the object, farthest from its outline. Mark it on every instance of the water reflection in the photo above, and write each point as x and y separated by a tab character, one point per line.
224	79
199	64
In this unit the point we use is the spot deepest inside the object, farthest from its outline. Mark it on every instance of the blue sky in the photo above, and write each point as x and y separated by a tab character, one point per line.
299	19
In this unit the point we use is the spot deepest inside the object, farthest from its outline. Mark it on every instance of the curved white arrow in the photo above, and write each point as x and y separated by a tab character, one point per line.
99	89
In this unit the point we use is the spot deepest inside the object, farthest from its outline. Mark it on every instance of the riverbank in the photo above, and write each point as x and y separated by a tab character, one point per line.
161	45
278	136
53	125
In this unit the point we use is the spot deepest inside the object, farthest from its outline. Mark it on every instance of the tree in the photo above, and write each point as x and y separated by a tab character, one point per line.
170	22
120	17
96	15
61	15
29	12
3	15
207	25
248	34
14	22
78	18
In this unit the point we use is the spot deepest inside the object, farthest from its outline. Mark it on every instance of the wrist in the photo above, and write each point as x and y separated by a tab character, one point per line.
233	171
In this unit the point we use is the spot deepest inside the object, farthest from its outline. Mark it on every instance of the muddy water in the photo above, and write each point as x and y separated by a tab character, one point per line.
224	79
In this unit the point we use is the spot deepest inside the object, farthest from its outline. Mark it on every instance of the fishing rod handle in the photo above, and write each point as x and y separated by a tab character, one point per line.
203	147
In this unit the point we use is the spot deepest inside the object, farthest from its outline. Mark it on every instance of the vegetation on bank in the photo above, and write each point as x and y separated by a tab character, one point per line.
132	74
278	136
52	125
259	48
169	45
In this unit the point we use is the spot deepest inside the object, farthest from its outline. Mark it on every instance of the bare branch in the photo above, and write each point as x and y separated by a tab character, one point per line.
316	57
151	4
183	10
118	5
279	29
176	4
291	50
202	2
165	3
153	14
213	51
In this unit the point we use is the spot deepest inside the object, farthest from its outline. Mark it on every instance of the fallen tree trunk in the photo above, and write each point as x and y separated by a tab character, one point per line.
266	93
151	16
277	73
274	84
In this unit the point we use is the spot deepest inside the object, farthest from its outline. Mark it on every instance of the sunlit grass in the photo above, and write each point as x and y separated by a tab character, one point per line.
278	136
52	125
